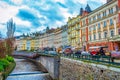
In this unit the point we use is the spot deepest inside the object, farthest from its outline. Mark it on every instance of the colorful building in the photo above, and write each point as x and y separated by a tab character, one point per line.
28	45
32	44
96	28
64	36
58	37
103	26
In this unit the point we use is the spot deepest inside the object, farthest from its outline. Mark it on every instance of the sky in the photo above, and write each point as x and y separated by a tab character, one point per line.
36	15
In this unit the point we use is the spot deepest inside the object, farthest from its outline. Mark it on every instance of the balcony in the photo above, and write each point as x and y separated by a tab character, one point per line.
83	34
105	28
90	32
72	37
102	18
111	26
78	28
99	30
94	31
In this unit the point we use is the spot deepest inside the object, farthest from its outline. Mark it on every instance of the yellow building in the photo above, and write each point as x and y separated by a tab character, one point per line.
32	44
74	31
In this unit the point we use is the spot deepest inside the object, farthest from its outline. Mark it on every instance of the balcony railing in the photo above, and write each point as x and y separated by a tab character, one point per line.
111	26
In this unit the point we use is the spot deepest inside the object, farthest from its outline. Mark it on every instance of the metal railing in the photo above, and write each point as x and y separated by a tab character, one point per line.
93	58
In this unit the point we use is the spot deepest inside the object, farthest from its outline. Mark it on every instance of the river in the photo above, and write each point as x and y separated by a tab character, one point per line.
26	70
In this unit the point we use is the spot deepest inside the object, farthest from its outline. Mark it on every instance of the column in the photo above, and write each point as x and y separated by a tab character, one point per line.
96	32
108	34
115	26
102	34
119	12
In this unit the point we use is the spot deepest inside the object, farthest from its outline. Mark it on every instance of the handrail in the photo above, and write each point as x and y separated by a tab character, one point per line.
96	58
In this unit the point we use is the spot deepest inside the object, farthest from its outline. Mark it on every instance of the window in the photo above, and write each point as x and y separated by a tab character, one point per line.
89	28
99	16
99	35
94	37
116	7
104	13
94	28
105	24
83	22
94	18
105	34
98	25
111	22
90	38
111	33
89	20
111	11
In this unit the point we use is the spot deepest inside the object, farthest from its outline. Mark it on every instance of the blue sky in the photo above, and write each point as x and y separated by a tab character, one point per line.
35	15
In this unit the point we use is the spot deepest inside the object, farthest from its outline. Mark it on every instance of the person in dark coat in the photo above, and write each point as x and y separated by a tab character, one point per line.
78	53
101	51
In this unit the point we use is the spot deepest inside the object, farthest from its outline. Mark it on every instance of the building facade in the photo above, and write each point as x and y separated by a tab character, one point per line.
97	28
103	26
64	36
58	38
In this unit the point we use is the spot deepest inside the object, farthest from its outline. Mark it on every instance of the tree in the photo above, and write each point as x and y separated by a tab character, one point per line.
10	28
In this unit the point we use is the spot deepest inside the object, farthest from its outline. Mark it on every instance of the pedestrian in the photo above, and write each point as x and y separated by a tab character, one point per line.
101	51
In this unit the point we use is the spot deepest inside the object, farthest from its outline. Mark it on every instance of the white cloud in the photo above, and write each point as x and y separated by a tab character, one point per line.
20	22
66	14
7	12
17	1
3	30
80	1
17	33
40	28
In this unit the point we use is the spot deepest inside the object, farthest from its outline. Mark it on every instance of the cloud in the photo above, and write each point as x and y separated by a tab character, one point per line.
35	15
17	1
27	15
62	5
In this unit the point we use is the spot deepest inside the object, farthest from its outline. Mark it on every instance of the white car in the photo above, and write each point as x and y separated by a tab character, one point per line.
52	52
85	53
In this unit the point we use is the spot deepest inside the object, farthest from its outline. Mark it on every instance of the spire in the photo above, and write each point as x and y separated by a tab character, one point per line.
88	9
81	11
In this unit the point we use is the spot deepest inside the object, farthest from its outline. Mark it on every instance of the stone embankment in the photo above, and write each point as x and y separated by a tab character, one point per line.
77	70
1	77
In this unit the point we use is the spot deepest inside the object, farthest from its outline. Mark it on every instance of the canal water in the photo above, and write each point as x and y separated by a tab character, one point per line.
26	70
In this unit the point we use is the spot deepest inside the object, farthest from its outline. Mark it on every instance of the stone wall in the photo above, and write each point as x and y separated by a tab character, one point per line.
1	77
77	70
51	63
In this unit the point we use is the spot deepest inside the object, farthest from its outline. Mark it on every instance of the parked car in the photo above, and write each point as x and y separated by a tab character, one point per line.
95	50
68	50
115	54
85	53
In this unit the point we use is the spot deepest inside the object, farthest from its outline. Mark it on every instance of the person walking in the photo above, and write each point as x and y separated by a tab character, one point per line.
101	51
